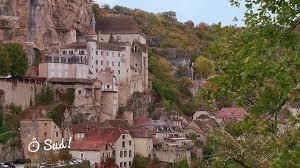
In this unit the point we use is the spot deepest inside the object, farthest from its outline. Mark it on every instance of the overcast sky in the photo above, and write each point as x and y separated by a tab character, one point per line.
209	11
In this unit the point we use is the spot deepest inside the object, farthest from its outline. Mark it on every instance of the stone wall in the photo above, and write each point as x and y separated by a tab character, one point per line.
20	93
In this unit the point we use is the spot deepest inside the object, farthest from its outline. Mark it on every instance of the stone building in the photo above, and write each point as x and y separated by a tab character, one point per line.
113	143
173	150
41	129
143	142
113	52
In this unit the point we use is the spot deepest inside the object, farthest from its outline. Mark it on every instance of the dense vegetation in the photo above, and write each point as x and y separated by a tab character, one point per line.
10	123
13	60
259	68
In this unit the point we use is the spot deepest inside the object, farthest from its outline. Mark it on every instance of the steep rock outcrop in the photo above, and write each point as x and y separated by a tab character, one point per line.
46	24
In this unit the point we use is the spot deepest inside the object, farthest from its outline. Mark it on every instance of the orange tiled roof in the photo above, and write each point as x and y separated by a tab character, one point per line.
87	145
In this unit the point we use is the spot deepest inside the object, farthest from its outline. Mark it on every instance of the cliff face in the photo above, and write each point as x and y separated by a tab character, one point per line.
46	24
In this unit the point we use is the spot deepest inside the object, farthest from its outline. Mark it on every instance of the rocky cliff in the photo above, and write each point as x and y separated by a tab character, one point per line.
44	24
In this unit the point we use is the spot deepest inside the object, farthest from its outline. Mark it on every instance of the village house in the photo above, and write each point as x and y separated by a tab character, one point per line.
294	108
172	150
229	114
113	143
41	129
200	129
162	129
143	142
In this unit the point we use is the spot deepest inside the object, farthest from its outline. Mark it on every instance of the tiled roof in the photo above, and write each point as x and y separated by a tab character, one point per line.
76	45
105	134
116	25
232	113
141	120
70	80
140	133
116	123
295	104
84	127
87	145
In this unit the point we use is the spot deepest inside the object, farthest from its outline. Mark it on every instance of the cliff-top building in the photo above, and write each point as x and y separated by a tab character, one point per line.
113	43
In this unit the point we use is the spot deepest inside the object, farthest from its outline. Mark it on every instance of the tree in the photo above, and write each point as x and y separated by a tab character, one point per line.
17	55
182	164
64	155
203	67
140	161
5	61
259	70
169	16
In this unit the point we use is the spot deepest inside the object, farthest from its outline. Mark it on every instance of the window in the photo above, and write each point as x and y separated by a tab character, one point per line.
101	52
79	91
81	156
107	86
113	63
45	134
129	143
71	52
96	52
106	147
119	63
121	154
123	144
125	164
130	153
121	164
97	62
113	54
101	62
97	71
125	153
129	163
64	52
135	65
119	54
119	72
56	134
123	136
45	124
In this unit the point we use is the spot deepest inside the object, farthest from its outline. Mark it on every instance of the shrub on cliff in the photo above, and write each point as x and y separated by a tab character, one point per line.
13	60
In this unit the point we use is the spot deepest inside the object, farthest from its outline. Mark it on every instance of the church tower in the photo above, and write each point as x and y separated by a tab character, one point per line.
91	42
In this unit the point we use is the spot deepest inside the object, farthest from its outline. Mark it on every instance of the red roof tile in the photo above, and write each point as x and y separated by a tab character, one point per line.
84	127
87	145
105	134
232	113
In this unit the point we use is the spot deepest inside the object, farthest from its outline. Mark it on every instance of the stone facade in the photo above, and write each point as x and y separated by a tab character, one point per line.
124	150
41	129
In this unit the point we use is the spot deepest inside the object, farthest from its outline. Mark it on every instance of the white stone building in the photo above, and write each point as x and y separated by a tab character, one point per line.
113	43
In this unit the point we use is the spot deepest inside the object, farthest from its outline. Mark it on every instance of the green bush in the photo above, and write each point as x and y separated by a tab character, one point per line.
140	161
45	96
57	114
6	136
69	96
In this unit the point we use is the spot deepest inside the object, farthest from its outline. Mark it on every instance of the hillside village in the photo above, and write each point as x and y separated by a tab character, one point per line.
111	92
